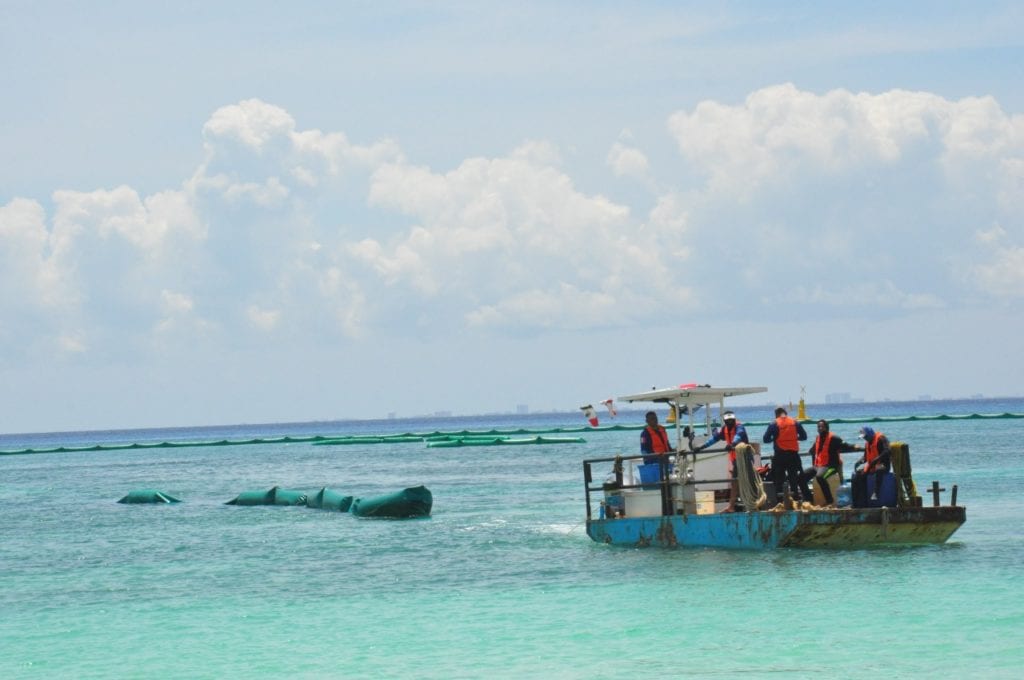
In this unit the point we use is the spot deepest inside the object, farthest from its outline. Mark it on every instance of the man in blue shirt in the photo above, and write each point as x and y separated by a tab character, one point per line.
732	433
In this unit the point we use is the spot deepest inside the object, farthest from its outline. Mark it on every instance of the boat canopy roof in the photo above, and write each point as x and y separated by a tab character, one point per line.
692	396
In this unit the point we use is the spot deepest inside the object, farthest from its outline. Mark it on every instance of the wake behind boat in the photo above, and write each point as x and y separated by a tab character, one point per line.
678	501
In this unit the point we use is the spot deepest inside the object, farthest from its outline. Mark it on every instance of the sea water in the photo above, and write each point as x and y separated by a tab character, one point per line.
501	580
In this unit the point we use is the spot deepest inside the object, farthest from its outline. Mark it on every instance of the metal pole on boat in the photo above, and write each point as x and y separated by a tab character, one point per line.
587	479
935	493
952	498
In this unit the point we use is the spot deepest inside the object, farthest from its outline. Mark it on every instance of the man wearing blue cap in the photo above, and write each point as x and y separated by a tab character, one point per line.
877	459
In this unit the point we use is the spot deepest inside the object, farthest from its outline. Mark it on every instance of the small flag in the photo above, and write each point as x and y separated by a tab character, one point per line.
610	404
590	414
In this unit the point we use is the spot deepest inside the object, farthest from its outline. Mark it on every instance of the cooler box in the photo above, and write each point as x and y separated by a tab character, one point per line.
642	503
887	495
833	485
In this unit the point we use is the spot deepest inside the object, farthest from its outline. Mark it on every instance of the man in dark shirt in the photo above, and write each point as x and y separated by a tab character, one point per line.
784	434
825	461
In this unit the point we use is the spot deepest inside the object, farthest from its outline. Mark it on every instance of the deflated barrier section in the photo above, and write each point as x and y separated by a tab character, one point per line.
148	496
329	499
414	501
274	496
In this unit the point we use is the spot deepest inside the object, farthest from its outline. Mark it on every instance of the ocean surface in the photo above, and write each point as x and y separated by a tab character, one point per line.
501	581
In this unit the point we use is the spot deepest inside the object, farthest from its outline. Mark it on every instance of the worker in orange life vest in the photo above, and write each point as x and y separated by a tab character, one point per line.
654	440
785	434
825	460
876	459
732	433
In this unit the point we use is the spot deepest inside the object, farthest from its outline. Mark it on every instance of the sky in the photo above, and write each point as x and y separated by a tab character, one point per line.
218	213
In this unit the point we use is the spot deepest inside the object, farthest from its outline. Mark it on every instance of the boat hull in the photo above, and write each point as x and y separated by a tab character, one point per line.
836	528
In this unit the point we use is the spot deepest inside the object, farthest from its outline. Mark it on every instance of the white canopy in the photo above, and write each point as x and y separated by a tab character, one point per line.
688	400
692	395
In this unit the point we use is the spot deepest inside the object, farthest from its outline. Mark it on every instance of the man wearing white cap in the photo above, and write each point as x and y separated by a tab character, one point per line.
732	433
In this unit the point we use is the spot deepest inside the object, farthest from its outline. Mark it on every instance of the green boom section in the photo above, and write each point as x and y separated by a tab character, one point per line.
273	496
467	436
415	501
329	499
148	496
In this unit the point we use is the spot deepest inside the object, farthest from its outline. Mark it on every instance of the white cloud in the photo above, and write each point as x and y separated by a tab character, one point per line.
779	131
870	295
264	319
844	200
866	199
251	123
27	275
514	241
71	344
626	161
1002	273
254	152
176	303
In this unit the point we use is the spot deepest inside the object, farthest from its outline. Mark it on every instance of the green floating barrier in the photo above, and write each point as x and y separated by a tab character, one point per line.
382	439
502	441
253	498
329	499
494	434
289	497
415	501
148	496
273	496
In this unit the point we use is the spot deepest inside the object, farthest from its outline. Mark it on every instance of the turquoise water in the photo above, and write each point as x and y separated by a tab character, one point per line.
501	581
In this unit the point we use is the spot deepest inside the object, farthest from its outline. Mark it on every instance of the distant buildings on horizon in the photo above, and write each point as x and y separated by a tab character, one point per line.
830	398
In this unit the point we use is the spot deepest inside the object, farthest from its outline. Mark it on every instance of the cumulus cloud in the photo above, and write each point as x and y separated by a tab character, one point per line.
516	243
1002	273
861	196
780	131
831	202
627	161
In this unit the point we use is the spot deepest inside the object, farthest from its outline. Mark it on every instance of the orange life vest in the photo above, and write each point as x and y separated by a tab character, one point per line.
821	450
727	436
786	439
659	439
871	452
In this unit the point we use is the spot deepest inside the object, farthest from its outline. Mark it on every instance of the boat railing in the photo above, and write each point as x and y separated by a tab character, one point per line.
666	481
686	461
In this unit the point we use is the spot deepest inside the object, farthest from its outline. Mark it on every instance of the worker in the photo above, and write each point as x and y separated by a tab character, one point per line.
877	459
785	434
654	440
825	462
732	433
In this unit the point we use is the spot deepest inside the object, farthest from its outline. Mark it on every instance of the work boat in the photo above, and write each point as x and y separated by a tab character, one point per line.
679	501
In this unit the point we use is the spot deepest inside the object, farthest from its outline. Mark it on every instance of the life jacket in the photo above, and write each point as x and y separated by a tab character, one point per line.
659	439
727	436
871	452
821	450
786	439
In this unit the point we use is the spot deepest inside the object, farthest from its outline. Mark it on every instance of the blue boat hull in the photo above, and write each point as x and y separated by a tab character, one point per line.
838	528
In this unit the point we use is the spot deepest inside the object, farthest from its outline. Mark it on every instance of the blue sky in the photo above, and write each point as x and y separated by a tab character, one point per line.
253	212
